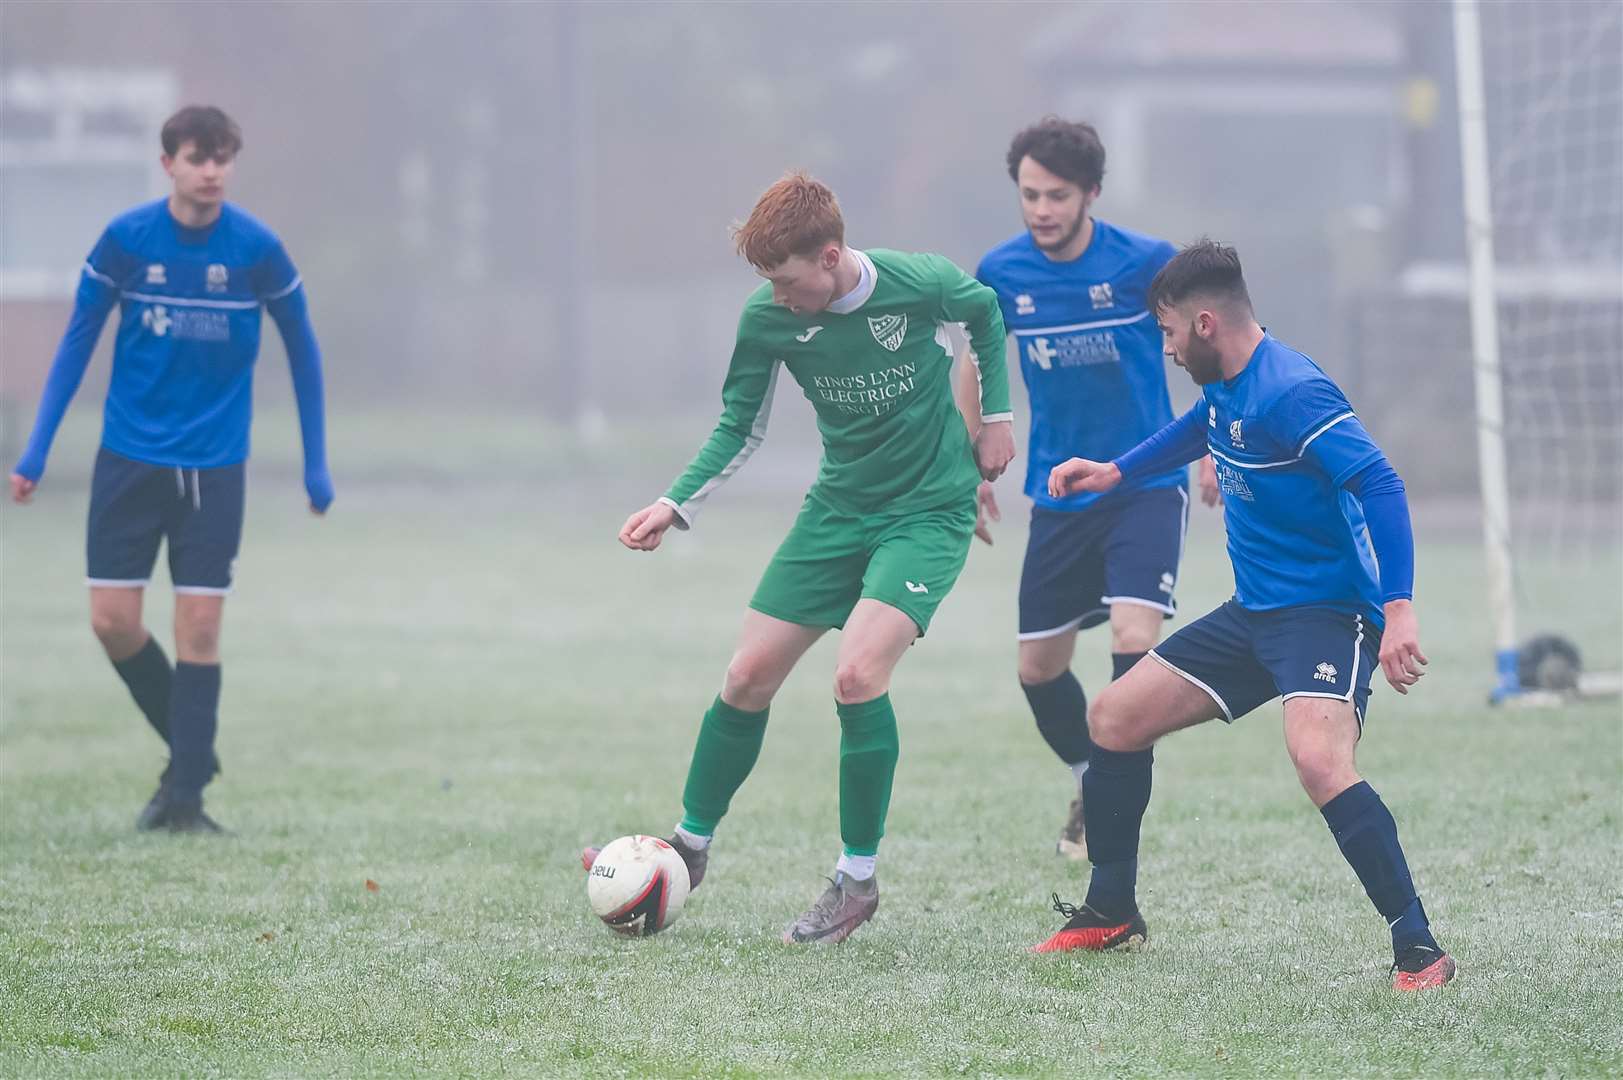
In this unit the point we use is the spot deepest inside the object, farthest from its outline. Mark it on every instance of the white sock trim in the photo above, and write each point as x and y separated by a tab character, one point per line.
856	867
693	840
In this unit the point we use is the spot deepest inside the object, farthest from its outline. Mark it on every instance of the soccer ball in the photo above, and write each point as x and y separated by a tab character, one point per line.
637	885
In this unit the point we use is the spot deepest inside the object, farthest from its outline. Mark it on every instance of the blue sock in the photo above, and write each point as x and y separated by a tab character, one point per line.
194	703
1115	789
1061	709
1122	662
1368	838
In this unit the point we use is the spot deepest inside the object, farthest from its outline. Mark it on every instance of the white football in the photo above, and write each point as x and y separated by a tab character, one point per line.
638	885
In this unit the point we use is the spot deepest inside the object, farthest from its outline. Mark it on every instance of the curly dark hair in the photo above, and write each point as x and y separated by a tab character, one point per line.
1068	149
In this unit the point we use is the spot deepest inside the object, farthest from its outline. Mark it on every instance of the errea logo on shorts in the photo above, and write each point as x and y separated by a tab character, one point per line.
1326	672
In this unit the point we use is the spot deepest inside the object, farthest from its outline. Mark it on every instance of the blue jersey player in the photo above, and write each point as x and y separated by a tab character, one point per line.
1072	291
189	275
1309	502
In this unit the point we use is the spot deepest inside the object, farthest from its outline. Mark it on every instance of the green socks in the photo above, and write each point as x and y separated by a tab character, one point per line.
729	743
868	752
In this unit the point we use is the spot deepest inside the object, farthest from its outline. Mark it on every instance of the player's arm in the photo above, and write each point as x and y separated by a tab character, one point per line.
746	397
1340	446
98	292
965	300
1175	445
966	393
288	306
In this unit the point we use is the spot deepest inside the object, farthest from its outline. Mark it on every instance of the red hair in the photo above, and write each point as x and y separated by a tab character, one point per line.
795	216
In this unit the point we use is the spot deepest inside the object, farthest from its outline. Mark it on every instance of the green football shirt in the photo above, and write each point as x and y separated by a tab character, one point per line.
876	366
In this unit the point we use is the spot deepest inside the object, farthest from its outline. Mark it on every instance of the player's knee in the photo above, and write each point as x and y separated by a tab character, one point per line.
1133	638
750	682
856	681
1324	773
198	642
118	631
1112	723
1036	669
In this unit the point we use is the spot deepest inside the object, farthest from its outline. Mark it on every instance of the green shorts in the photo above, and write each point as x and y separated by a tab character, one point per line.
830	560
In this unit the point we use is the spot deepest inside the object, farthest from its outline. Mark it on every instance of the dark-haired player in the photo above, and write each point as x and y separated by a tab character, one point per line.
189	274
1319	536
1071	288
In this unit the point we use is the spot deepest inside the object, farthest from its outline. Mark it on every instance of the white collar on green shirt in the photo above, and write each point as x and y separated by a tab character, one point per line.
858	296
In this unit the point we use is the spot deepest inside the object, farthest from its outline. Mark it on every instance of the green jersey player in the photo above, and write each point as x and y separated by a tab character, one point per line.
884	530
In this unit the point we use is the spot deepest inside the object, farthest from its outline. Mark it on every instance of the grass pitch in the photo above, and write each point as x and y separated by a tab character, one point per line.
459	677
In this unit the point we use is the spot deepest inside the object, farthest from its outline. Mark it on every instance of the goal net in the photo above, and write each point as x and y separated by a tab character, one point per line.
1541	109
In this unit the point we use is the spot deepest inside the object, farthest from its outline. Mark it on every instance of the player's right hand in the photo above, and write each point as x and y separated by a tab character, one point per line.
22	488
985	511
646	528
1080	474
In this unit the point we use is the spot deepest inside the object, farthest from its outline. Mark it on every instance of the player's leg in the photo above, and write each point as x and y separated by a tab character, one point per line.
123	531
914	562
1061	581
1204	671
1142	553
205	532
811	583
734	727
1323	661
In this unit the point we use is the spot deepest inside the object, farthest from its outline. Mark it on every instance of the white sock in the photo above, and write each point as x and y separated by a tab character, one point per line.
856	867
694	841
1079	770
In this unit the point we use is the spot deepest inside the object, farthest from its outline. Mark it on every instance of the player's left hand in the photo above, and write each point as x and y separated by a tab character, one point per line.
22	488
994	448
986	511
1401	658
1206	477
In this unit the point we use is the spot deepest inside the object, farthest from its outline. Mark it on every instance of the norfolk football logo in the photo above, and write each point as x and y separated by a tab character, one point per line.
889	330
1326	672
1235	437
1042	353
1101	296
156	319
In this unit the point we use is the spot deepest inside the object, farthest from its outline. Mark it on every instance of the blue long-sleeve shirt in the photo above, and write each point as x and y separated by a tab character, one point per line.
181	392
1309	499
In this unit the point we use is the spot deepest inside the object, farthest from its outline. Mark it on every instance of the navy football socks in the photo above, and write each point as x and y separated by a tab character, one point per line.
148	676
1061	709
1116	790
1368	838
194	703
1122	662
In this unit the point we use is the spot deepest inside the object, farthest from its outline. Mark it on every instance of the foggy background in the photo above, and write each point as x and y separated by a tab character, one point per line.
523	207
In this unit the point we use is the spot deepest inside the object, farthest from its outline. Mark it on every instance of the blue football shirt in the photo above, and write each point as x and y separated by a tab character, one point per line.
1285	440
1090	352
189	325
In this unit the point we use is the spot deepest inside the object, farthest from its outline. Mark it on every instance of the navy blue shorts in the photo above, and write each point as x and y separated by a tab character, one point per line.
134	506
1122	549
1247	658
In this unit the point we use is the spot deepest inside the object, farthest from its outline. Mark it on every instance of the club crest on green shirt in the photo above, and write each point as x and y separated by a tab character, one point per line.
888	330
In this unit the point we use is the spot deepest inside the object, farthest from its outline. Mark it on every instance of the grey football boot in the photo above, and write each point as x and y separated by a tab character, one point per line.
845	905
